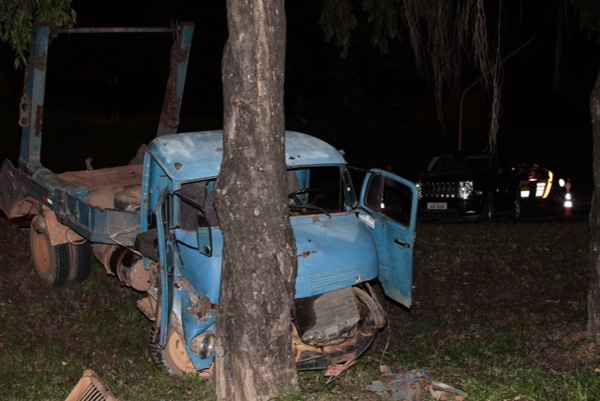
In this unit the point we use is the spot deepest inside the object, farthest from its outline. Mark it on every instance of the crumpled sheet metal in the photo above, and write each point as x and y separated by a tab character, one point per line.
414	385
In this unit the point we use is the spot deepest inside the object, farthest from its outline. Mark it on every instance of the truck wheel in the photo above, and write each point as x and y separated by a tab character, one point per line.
173	358
79	261
51	262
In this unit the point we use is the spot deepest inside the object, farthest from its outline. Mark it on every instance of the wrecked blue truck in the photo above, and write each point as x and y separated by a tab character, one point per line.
154	226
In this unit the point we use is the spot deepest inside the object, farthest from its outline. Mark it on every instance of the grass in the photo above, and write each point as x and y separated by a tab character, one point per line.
499	311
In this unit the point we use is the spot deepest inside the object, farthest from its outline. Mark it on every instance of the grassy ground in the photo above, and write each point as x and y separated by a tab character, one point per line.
499	311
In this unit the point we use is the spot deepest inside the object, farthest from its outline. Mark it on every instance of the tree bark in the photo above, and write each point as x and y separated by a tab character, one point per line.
594	290
254	338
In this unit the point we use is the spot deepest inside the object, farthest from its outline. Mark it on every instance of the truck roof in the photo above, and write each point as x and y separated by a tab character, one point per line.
197	155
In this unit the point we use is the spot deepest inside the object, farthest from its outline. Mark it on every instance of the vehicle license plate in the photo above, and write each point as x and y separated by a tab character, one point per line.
437	205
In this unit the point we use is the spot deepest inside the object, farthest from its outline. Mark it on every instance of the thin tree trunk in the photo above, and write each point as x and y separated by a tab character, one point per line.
254	345
594	290
497	87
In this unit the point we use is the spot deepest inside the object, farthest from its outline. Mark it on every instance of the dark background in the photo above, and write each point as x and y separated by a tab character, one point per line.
377	107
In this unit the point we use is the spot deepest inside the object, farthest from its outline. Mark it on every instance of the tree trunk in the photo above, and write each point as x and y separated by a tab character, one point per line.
594	290
254	338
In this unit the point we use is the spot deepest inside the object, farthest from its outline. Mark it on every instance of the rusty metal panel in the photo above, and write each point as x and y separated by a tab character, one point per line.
32	101
106	226
59	233
180	53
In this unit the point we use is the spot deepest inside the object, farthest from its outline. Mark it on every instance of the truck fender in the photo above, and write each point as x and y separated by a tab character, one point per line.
59	233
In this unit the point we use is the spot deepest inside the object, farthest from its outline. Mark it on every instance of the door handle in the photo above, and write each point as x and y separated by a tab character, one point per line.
401	243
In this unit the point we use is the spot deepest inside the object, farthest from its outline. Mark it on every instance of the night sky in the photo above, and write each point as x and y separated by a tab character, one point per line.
377	107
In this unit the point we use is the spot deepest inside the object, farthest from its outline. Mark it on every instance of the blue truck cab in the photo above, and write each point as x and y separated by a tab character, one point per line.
343	242
154	226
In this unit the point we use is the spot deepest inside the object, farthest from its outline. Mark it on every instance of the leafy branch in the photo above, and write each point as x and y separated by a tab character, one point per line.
18	17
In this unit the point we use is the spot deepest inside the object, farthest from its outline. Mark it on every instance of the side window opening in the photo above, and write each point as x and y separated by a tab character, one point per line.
197	205
316	189
391	198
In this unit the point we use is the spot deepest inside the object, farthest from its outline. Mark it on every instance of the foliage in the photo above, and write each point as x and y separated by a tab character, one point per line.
589	12
339	18
338	21
444	35
17	18
384	20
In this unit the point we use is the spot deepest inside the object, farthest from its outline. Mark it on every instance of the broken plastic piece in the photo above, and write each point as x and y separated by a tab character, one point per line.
401	385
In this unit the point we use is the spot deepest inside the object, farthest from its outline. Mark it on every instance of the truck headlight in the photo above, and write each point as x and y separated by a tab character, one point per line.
465	189
203	345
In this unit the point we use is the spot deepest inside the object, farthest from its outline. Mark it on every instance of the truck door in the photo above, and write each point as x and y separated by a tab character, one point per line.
389	206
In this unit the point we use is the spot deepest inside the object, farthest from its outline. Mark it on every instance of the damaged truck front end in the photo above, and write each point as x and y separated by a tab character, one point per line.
342	244
153	226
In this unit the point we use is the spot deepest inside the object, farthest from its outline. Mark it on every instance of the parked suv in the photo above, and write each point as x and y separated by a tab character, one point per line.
466	187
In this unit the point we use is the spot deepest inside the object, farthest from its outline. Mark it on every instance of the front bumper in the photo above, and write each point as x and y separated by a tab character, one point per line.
472	208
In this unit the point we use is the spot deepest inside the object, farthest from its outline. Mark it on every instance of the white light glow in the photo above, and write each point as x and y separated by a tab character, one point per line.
568	204
568	196
539	189
465	189
561	182
524	194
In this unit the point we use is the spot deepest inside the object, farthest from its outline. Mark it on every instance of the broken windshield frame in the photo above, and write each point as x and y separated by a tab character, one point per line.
320	189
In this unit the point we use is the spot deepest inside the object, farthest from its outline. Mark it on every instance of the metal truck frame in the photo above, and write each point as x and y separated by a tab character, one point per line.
154	227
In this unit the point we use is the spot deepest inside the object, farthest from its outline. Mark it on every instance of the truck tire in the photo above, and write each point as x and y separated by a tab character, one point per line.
51	262
79	261
173	358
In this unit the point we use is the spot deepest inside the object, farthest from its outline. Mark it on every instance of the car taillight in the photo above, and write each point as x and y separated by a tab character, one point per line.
548	185
539	189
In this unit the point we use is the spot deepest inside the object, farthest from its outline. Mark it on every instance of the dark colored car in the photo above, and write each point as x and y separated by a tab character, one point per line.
542	193
478	187
465	187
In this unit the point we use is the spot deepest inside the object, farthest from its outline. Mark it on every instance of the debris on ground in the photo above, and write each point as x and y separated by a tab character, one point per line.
90	388
335	370
414	385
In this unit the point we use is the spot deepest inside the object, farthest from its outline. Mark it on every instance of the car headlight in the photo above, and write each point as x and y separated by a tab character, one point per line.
465	189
